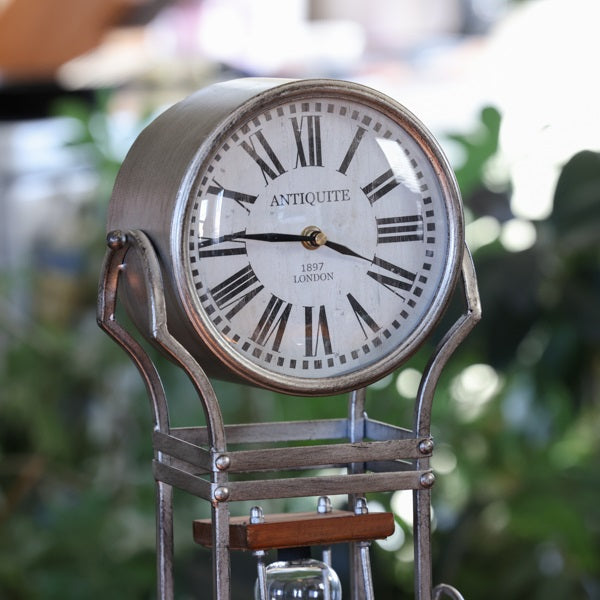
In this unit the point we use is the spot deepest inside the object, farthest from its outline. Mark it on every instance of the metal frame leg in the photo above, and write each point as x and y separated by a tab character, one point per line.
261	568
164	541
422	543
221	562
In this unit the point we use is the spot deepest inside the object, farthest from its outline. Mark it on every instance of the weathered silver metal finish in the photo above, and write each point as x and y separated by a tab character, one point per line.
324	505
443	589
363	560
221	493
426	446
378	456
365	563
145	263
262	573
257	515
155	188
427	479
422	422
106	316
356	433
223	462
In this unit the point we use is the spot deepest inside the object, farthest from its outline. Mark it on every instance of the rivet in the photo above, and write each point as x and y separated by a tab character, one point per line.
223	462
221	493
426	446
116	239
427	479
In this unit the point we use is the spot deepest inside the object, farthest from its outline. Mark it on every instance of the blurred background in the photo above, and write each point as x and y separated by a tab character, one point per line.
510	88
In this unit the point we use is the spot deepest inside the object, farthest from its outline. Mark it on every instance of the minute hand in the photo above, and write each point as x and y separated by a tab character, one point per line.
345	250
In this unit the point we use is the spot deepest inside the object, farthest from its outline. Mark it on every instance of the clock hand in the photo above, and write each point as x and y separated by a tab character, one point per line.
275	237
283	237
262	237
219	240
345	250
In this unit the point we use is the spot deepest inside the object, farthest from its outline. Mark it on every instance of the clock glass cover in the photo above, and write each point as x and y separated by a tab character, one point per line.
321	239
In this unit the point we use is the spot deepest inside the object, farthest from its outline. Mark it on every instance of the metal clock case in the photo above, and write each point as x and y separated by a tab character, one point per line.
309	233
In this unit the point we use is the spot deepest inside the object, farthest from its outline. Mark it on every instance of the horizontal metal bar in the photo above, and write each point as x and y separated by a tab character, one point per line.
378	430
183	450
390	466
277	459
180	479
280	431
326	485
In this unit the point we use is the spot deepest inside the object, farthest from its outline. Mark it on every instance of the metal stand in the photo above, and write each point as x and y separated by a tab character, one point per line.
378	456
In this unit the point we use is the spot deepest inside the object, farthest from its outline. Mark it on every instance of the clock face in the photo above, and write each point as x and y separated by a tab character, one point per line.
320	241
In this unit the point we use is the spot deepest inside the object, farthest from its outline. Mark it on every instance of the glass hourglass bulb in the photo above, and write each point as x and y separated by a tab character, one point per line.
300	579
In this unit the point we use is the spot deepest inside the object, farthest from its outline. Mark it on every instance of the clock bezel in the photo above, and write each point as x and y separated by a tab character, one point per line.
234	361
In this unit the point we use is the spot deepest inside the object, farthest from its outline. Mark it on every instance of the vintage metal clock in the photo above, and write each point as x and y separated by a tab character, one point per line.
303	237
309	233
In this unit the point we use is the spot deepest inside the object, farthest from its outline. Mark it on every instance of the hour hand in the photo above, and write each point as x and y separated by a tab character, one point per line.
261	237
277	237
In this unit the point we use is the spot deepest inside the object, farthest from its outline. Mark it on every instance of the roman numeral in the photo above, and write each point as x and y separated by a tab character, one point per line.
400	229
273	321
313	335
311	154
236	291
362	316
380	186
401	279
351	150
240	197
269	171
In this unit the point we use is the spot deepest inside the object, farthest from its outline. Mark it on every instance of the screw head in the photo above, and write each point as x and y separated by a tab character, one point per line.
360	507
256	515
221	493
427	479
223	462
116	239
324	505
426	446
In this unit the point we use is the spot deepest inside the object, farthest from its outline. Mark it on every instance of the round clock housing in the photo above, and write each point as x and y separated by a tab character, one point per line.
310	232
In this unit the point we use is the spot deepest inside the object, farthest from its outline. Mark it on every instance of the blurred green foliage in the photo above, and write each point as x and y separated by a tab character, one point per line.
516	504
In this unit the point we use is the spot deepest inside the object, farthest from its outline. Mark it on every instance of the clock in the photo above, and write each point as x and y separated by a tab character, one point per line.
309	232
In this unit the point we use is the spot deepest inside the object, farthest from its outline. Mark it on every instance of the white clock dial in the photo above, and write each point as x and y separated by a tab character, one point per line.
320	239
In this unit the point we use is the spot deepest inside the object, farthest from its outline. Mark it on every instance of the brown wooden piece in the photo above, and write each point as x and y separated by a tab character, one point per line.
289	530
36	38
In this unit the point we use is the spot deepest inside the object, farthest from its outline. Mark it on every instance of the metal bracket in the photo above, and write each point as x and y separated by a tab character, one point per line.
396	458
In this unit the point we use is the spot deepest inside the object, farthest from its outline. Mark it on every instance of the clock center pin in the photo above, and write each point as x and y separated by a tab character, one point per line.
316	237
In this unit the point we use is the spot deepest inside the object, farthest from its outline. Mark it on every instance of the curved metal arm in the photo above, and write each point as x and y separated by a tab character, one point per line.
422	426
444	589
106	309
455	335
107	301
158	330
